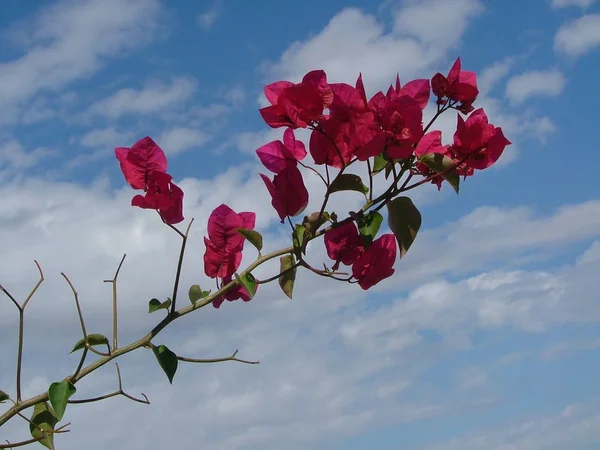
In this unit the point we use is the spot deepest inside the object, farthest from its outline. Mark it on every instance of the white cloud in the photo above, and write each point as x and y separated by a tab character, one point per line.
179	139
354	42
535	83
557	4
579	36
492	75
15	158
106	138
70	40
207	19
574	427
155	97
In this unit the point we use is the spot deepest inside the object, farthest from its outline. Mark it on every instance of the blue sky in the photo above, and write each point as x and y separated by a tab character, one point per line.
487	336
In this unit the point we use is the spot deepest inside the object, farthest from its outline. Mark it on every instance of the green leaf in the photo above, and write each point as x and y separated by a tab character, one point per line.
310	222
43	420
254	237
167	361
404	219
155	304
348	182
298	237
379	163
248	281
286	281
438	163
59	394
196	293
368	226
93	340
3	396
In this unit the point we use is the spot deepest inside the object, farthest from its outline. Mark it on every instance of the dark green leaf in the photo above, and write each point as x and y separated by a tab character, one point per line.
310	222
254	237
438	163
368	226
155	304
43	420
93	340
348	182
167	360
59	394
248	281
3	396
379	163
196	293
286	281
404	219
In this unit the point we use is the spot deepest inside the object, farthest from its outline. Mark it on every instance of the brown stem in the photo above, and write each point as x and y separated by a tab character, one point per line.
81	322
59	430
114	302
184	238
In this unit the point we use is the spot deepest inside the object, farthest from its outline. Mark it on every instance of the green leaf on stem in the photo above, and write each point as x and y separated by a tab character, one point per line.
155	304
167	361
440	163
196	293
310	222
404	219
368	226
348	182
286	280
298	238
379	163
254	237
247	281
3	396
42	423
59	394
92	340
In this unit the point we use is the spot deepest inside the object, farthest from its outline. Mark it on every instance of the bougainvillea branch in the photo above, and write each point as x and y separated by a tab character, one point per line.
386	133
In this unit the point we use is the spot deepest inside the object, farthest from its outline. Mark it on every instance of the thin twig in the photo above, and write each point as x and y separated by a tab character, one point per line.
81	322
114	304
217	360
184	238
120	391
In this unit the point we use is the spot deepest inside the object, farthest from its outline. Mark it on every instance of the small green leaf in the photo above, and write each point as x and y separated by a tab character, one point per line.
368	226
3	396
254	237
348	182
196	293
59	394
43	420
286	281
167	361
438	163
379	163
404	219
93	340
248	281
155	304
310	222
298	238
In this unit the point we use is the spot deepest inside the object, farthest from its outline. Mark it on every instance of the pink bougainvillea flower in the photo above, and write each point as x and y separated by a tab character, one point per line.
459	85
402	121
224	244
288	192
141	160
236	293
418	90
297	105
343	244
276	154
376	263
163	196
478	143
